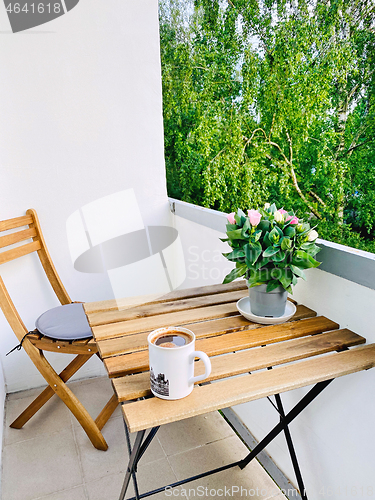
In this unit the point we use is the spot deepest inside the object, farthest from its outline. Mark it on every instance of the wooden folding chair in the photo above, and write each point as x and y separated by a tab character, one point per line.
35	343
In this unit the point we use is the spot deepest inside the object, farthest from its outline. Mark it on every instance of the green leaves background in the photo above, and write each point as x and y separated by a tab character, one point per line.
264	100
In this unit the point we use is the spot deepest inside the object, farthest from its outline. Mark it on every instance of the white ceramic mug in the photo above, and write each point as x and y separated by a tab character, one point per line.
172	366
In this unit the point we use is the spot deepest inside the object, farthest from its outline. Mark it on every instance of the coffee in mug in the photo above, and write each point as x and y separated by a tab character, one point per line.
172	356
173	338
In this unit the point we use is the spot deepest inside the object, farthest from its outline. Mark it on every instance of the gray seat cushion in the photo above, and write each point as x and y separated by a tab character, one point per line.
68	322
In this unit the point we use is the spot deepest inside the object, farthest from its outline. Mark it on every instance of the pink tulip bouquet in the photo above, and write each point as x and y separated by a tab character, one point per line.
270	247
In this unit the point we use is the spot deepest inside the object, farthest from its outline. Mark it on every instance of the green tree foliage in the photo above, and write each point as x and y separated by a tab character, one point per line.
269	100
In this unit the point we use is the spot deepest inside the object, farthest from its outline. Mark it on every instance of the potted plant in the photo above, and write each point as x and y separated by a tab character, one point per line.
271	248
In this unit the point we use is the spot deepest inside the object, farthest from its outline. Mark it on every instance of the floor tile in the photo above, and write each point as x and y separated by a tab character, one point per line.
40	466
207	457
97	464
192	432
63	464
278	496
232	483
94	394
73	494
150	476
29	393
51	418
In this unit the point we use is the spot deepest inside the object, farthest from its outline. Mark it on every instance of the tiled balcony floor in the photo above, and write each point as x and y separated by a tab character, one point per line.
52	459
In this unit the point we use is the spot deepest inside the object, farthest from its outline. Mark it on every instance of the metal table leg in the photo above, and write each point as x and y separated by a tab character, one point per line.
139	449
134	477
132	460
292	451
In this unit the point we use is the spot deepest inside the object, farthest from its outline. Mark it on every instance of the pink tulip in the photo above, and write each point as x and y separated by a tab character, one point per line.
231	218
254	217
282	211
293	219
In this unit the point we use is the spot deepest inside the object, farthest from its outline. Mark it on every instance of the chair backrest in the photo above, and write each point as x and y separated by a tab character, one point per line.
38	245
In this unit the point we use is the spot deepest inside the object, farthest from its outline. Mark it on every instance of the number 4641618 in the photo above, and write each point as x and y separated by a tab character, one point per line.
40	8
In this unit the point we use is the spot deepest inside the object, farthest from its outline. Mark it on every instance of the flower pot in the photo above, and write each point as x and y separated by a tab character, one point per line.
268	304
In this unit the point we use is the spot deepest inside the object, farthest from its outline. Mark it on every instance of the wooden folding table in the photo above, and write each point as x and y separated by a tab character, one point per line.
307	350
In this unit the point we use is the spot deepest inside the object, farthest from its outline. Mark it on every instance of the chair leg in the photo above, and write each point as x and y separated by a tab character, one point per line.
47	394
66	395
106	412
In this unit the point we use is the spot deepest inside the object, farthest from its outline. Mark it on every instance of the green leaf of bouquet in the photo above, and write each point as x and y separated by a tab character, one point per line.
257	235
224	240
245	229
237	254
235	235
264	225
262	262
272	208
249	264
286	243
273	234
297	271
279	256
235	273
290	231
231	227
263	275
271	285
268	252
286	279
306	229
237	218
310	248
256	283
252	251
279	231
266	240
303	260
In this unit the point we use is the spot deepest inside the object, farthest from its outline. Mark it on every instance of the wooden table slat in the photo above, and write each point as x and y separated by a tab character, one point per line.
116	304
114	330
224	393
144	311
138	361
138	385
138	341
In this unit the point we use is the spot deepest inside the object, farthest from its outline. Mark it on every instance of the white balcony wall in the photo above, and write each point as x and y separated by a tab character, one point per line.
335	436
81	118
2	403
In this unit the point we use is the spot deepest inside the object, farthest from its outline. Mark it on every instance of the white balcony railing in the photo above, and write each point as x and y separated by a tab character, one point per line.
335	437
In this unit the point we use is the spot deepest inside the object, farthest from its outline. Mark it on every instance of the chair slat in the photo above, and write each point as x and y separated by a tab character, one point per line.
138	341
154	411
25	220
138	385
138	361
10	239
65	347
14	253
115	305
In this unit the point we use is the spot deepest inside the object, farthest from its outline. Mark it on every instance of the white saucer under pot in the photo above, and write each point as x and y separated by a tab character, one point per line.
243	306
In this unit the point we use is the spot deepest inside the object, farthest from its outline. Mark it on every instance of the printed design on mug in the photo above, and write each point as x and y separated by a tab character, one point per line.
159	384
